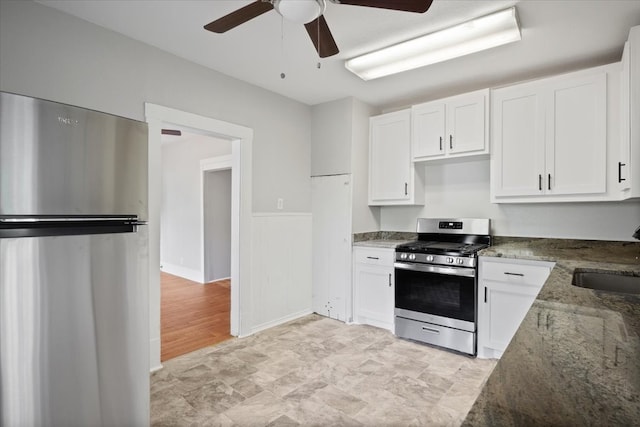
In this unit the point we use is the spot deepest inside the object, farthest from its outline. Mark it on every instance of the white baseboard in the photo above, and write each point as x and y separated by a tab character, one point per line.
217	280
279	321
184	272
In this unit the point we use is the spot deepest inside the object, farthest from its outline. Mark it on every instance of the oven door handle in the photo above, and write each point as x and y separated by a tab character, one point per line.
452	271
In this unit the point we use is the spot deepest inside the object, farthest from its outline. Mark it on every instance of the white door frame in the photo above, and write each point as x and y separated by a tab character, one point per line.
207	165
241	150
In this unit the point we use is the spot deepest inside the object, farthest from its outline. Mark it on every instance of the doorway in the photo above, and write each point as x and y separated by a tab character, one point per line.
195	241
159	117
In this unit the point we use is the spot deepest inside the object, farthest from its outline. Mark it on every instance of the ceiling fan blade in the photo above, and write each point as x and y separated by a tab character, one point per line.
418	6
173	132
321	37
238	17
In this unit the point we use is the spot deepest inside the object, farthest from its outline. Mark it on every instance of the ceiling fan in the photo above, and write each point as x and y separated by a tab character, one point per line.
309	13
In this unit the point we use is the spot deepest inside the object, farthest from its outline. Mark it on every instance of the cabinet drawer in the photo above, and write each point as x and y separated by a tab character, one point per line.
384	257
526	274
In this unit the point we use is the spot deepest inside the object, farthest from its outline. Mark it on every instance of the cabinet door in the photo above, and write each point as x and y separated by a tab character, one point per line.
624	157
390	166
428	124
576	149
374	295
505	305
517	129
507	288
466	123
331	245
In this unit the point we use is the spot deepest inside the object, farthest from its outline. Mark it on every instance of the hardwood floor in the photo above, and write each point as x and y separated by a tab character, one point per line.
192	315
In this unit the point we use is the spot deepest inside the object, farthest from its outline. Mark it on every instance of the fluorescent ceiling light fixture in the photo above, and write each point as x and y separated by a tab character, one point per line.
472	36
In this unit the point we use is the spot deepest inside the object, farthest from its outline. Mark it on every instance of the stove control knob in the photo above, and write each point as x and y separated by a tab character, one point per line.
429	258
450	260
403	256
412	257
460	261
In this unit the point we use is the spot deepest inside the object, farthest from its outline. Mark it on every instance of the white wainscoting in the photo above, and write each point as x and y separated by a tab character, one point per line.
281	268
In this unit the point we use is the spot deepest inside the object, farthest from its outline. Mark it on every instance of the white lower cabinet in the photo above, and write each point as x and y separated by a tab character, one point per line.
506	290
373	280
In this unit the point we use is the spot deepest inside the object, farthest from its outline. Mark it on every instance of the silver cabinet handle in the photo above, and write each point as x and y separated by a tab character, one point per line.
440	143
406	188
540	182
373	257
434	331
485	294
549	181
451	142
389	279
513	274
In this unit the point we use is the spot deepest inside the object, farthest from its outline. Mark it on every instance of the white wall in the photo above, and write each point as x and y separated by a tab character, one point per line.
48	54
331	137
461	189
180	218
365	217
280	292
217	224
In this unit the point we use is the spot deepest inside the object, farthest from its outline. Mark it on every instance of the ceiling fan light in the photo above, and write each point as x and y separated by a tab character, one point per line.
300	11
469	37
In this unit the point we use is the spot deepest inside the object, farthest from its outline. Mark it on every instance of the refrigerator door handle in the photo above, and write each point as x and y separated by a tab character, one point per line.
18	227
61	219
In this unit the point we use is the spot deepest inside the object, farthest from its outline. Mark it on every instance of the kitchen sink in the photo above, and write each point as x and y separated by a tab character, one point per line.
607	281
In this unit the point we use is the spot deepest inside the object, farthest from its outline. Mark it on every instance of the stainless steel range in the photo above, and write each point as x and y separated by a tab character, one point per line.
436	282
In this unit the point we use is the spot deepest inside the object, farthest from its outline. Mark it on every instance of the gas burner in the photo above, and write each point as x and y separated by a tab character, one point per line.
441	248
446	242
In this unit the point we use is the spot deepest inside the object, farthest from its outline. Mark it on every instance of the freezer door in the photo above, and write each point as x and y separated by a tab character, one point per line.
74	330
57	159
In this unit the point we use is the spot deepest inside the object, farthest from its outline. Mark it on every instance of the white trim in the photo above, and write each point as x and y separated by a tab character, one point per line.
184	272
263	214
206	165
241	138
155	365
216	163
279	321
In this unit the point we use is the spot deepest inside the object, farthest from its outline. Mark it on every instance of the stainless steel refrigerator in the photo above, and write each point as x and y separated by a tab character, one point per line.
73	266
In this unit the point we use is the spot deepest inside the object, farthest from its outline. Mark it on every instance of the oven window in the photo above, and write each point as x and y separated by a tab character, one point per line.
439	294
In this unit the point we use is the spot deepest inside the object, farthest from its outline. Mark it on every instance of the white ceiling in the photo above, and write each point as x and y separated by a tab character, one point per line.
557	35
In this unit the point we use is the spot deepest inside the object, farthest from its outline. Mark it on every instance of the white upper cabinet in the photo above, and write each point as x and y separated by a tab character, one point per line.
628	167
517	116
428	121
576	146
451	127
550	139
392	176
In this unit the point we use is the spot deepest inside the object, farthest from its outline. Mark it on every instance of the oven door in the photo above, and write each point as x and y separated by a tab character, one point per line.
436	294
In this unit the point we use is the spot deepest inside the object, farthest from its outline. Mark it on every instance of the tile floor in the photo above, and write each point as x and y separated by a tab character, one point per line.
315	371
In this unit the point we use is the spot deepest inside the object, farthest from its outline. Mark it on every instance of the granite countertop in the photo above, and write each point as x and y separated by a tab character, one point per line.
380	243
383	239
575	360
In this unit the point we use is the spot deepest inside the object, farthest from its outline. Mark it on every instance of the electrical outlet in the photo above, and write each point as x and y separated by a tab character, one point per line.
280	204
